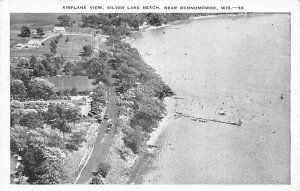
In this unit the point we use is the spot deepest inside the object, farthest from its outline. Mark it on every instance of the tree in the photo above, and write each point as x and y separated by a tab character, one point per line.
31	120
87	50
14	118
97	179
62	125
39	69
155	19
78	137
53	47
20	74
47	165
99	95
18	138
75	140
67	92
72	114
40	32
41	152
51	172
133	139
22	63
64	20
74	91
17	89
55	111
51	67
102	169
32	61
40	88
25	31
67	39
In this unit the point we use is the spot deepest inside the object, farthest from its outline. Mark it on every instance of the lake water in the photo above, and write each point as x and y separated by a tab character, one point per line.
228	69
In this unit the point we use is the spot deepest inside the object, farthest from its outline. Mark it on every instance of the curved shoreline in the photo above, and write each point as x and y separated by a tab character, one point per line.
218	142
170	106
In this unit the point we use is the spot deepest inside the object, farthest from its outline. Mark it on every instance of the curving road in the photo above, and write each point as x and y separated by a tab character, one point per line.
103	142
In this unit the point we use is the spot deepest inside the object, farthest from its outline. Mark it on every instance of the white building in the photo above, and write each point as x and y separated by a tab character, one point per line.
19	46
59	30
33	31
34	44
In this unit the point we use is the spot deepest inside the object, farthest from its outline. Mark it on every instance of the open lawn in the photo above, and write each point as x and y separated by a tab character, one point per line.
69	50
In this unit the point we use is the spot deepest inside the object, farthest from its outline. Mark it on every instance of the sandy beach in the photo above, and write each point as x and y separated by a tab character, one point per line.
170	105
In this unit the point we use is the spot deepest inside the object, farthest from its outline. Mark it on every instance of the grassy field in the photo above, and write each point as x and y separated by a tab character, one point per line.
73	48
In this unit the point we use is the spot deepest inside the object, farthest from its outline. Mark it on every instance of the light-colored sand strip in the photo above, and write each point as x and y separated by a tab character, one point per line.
170	104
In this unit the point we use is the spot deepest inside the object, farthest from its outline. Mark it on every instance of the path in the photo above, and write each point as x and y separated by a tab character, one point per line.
65	34
103	142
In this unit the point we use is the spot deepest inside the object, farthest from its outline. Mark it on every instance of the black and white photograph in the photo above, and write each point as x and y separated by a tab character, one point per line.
150	98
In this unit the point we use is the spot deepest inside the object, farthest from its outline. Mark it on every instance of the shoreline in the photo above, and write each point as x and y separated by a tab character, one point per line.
141	164
155	135
147	27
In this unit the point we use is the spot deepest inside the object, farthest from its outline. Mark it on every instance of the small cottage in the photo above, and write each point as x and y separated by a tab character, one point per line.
34	44
59	30
33	31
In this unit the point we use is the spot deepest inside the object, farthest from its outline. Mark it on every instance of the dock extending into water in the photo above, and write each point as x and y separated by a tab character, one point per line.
204	120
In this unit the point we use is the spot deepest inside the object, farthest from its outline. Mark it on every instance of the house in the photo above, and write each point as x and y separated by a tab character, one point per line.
59	30
33	31
61	83
19	46
34	44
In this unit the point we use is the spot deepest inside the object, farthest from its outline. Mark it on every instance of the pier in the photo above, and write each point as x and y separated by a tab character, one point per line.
204	120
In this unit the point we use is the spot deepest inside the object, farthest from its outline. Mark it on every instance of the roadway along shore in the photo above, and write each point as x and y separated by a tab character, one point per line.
103	141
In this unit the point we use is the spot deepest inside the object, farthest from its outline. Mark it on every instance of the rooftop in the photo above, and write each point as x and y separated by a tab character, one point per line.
34	42
62	83
59	28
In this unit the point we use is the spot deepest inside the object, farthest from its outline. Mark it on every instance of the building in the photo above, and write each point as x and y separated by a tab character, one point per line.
33	32
59	30
19	46
61	83
34	44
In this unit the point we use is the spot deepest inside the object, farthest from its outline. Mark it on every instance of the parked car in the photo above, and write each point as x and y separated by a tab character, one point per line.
109	126
106	116
107	130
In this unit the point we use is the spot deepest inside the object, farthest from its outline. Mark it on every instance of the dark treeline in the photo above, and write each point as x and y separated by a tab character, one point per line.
119	24
43	150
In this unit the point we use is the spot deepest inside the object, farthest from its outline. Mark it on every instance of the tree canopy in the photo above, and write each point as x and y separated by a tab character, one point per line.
43	162
31	120
64	20
40	32
25	31
17	89
87	50
53	47
40	88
